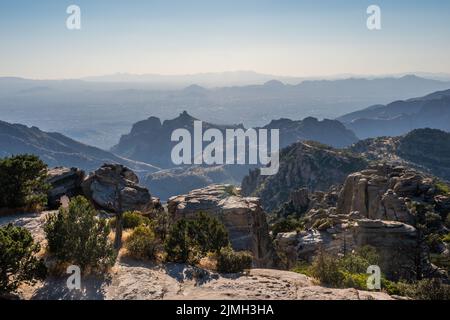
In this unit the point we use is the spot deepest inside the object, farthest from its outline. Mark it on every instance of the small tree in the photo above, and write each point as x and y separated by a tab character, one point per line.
191	239
210	234
78	236
22	182
18	261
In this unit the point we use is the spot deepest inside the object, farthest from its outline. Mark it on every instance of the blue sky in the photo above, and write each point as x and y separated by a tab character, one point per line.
283	37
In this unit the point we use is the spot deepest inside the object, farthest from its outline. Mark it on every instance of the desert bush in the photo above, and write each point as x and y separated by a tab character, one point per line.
142	243
431	289
191	239
131	220
180	243
209	233
425	289
326	269
22	182
18	261
229	261
78	236
347	271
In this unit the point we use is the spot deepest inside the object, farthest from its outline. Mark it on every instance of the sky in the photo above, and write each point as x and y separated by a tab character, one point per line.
280	37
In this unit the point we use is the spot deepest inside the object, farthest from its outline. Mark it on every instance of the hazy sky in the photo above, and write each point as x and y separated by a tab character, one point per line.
282	37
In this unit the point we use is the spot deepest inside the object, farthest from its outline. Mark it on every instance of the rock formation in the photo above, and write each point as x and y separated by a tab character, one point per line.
242	216
384	192
376	207
114	188
304	164
63	182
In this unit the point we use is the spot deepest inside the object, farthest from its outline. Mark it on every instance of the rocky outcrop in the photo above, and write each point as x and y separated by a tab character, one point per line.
384	192
116	188
63	182
379	206
242	216
302	165
395	242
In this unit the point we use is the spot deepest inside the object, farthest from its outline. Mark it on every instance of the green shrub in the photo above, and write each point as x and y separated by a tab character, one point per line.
208	233
326	269
142	243
191	239
18	262
354	280
131	220
180	243
286	225
231	190
303	268
342	272
431	289
78	236
442	187
446	238
22	182
322	224
229	261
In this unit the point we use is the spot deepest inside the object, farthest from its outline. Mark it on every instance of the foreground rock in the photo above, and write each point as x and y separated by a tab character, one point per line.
131	280
114	187
242	216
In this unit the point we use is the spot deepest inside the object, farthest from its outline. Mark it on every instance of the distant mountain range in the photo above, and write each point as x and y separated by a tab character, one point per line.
400	117
56	149
98	113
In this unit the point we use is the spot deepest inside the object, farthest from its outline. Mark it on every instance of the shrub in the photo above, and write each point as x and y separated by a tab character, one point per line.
131	220
209	233
431	289
142	242
326	269
78	236
442	187
229	261
191	239
18	262
286	225
22	182
180	245
446	238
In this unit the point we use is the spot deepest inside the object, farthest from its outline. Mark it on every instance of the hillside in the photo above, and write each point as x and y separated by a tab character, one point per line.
304	164
400	117
426	149
56	149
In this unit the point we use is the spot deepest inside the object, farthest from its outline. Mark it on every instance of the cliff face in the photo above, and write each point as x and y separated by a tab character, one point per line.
304	164
243	217
378	206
